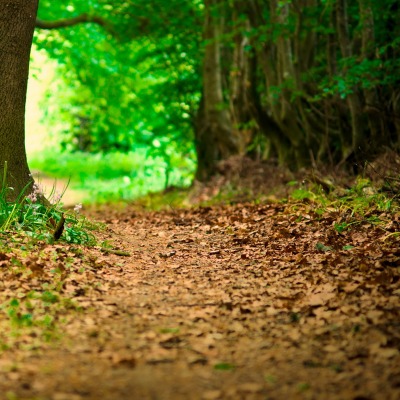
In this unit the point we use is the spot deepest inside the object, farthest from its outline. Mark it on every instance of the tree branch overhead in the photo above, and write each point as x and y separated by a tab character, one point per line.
80	19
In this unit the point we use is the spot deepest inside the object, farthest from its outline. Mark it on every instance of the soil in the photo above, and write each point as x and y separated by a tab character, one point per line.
267	301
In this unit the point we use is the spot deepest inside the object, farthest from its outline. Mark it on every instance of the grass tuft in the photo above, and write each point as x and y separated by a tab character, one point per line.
37	219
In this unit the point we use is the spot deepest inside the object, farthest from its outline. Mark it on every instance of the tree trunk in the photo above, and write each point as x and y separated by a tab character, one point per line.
353	99
242	68
17	23
239	72
368	51
215	137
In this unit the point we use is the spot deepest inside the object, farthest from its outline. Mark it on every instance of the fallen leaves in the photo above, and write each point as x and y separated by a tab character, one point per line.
244	301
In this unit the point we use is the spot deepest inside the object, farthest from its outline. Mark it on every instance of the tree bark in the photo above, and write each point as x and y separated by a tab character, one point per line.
216	140
239	68
80	19
368	51
353	98
17	23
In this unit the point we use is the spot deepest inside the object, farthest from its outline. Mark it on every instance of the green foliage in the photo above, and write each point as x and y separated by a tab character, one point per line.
359	66
36	313
138	88
223	366
36	218
321	247
363	197
301	194
32	310
361	203
117	176
377	68
314	92
167	199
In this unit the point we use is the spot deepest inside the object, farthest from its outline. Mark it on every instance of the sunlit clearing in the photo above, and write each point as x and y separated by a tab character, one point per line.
41	76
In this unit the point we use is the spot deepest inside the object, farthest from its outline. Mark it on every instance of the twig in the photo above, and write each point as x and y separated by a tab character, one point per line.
116	252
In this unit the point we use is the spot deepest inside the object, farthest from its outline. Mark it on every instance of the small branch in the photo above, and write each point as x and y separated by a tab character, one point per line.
116	252
81	19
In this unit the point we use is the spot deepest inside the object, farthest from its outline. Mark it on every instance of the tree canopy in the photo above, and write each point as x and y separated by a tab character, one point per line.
305	82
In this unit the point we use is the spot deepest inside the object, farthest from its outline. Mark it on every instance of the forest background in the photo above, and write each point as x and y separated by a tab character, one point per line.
281	298
152	94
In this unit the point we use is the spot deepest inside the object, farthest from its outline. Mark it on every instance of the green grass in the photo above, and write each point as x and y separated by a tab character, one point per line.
34	217
360	203
114	176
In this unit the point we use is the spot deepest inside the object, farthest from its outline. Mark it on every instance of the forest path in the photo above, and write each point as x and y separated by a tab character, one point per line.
49	186
234	302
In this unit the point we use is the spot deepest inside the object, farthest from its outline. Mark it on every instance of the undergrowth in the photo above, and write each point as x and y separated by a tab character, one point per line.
360	199
41	219
31	314
354	204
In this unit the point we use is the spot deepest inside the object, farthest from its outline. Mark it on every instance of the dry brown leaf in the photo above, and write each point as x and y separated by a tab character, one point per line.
319	299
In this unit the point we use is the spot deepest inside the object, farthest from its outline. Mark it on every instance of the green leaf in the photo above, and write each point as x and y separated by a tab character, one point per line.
224	367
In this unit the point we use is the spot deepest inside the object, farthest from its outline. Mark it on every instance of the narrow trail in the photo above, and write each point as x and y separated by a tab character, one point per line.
239	302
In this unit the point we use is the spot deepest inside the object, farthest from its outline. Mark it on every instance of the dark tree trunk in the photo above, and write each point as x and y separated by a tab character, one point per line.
353	99
368	51
17	23
216	140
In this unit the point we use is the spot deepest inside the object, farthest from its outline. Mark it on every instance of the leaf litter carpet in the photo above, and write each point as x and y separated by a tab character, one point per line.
226	302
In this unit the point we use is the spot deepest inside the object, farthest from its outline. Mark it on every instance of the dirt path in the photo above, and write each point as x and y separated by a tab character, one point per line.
242	302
